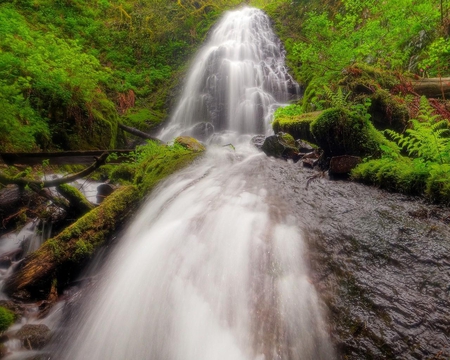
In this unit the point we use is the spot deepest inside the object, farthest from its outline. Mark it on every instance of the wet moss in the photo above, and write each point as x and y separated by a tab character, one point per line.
7	318
298	126
341	132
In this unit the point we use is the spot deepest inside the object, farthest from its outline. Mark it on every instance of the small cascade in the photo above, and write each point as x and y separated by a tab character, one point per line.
236	82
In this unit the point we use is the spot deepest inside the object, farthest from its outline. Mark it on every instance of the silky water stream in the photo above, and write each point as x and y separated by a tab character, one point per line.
213	266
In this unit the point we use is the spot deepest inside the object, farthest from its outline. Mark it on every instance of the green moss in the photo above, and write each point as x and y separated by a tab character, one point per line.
189	143
83	250
143	119
298	126
340	132
402	175
388	111
7	318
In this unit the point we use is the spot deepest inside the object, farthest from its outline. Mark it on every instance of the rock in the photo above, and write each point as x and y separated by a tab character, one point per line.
281	145
189	143
341	165
310	159
303	146
258	141
202	131
34	336
298	125
104	190
341	132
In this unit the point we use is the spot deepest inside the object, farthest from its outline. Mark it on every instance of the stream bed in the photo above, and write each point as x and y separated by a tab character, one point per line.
380	261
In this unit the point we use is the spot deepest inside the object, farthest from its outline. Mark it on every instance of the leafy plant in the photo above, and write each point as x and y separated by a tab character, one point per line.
428	138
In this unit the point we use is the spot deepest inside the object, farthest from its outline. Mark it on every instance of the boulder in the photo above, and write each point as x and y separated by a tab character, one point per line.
189	143
34	336
341	132
281	145
202	131
342	165
303	146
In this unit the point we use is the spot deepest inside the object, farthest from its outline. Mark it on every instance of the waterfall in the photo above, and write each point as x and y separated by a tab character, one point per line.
213	266
236	81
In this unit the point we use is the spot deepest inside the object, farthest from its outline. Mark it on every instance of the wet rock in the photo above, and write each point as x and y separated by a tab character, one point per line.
202	131
34	336
303	146
190	143
104	190
258	141
281	145
341	165
310	159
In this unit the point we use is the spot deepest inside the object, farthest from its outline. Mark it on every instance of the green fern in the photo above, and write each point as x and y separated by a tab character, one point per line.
428	138
338	99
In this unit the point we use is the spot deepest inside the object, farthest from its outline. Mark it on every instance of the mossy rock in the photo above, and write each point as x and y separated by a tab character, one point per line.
281	145
190	143
365	79
298	126
388	111
340	132
7	318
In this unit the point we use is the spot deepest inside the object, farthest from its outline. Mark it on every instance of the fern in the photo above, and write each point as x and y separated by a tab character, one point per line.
428	138
338	99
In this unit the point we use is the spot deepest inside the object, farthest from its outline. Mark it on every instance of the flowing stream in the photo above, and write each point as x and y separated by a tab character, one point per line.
213	267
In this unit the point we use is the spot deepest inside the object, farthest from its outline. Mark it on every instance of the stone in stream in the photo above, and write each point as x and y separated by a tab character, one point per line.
342	165
34	336
281	145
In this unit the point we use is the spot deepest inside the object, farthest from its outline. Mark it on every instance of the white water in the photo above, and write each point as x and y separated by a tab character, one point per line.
236	81
213	266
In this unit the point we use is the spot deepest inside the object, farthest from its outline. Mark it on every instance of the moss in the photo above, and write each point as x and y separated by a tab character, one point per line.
438	184
402	175
340	132
298	126
143	119
7	318
388	111
189	143
79	205
363	78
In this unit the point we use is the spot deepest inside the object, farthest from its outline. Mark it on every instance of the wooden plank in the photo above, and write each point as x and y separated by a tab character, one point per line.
62	157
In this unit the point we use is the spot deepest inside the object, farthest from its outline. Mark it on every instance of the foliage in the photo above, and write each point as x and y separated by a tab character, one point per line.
426	170
428	138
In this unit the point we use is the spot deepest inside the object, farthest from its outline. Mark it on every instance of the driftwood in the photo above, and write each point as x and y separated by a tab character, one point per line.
5	180
138	133
432	87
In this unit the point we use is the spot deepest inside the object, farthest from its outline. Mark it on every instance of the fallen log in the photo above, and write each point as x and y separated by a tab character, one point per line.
5	180
59	257
83	157
139	133
432	87
59	260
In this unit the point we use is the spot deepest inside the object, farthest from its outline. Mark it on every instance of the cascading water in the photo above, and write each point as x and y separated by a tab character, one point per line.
213	266
236	81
